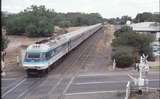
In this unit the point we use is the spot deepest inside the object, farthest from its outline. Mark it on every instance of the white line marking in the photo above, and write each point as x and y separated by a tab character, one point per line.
103	74
13	87
22	93
25	91
11	83
80	93
108	82
65	90
153	88
114	73
9	78
55	85
95	92
8	86
31	86
154	80
99	82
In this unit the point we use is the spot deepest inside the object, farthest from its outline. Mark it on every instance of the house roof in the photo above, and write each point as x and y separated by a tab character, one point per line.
146	27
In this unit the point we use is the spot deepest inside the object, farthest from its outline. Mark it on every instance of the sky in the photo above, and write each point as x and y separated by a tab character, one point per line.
107	8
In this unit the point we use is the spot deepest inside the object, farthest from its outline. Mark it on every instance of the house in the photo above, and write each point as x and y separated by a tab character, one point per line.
150	28
147	27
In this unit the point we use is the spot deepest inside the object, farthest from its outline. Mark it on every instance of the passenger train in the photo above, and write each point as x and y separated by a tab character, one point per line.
41	55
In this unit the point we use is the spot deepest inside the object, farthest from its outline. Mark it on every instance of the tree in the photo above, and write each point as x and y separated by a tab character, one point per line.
119	21
140	43
78	19
58	18
156	17
15	25
112	20
42	21
124	19
3	19
126	36
35	21
64	24
147	17
31	30
123	30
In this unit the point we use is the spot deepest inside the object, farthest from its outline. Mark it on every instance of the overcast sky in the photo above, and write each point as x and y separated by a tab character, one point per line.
107	8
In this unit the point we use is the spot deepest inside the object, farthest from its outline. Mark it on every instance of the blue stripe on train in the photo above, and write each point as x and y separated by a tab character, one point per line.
36	63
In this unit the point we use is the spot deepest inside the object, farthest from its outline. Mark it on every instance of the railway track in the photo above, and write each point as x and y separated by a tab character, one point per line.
78	63
69	67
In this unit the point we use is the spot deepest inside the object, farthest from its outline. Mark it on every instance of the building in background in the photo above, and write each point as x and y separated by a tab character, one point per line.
149	28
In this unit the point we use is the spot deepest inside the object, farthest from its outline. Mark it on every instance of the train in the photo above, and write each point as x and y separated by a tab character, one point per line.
41	55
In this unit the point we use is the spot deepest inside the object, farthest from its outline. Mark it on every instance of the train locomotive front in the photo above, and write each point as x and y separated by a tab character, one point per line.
41	55
37	57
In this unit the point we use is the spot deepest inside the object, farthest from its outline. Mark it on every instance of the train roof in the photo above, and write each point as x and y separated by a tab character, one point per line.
51	43
38	48
80	31
45	45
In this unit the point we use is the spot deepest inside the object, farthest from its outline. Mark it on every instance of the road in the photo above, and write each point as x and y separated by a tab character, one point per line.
100	83
67	87
69	78
105	86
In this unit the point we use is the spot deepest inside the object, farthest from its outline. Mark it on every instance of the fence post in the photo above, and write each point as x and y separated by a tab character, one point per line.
114	64
2	69
128	90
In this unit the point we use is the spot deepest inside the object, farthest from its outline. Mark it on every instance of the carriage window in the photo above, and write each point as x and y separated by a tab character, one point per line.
64	45
58	49
49	54
33	55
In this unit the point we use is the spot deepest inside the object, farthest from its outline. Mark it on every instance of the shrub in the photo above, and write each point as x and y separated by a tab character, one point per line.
140	43
124	29
123	56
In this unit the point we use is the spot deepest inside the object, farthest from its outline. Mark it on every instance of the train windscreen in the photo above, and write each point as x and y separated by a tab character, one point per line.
33	55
